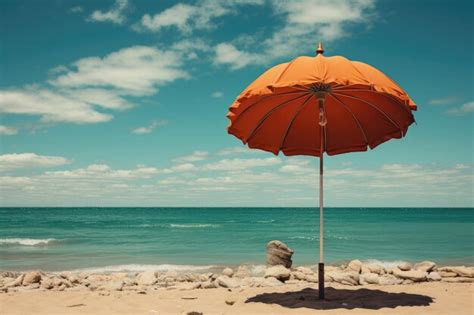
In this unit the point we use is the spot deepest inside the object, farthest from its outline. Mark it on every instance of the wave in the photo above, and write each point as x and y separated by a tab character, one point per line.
26	241
266	221
139	268
192	225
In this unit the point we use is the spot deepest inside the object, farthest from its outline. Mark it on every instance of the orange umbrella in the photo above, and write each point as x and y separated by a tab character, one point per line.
317	105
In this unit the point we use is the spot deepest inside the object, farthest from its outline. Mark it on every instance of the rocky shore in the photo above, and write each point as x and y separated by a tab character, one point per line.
355	273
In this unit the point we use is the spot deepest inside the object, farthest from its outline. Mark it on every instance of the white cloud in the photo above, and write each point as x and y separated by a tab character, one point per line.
149	128
187	18
77	9
14	161
177	16
217	94
51	106
228	54
102	172
134	70
195	156
305	22
7	131
236	150
114	15
240	164
464	109
443	100
74	95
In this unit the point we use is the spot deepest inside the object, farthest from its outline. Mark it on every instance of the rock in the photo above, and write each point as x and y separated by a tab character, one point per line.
298	275
146	278
47	283
31	277
17	282
189	297
355	265
117	276
458	279
425	266
278	253
113	285
348	278
247	282
208	284
372	268
230	301
271	282
226	282
192	313
305	270
433	276
404	266
461	271
279	272
408	281
414	275
294	281
242	272
311	278
188	286
369	278
389	280
228	272
446	274
62	287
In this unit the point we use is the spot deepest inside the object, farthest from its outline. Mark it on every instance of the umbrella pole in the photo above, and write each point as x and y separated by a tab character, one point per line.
322	123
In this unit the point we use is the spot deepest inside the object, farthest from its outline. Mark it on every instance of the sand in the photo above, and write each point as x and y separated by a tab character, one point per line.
422	298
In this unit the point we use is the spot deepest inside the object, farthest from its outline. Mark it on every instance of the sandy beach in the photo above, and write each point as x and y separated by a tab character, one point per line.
422	298
358	288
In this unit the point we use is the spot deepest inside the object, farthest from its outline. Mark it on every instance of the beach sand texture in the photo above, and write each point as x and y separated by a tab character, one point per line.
421	298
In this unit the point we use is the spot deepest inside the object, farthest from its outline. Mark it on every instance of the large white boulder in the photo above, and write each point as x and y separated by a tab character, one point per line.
146	278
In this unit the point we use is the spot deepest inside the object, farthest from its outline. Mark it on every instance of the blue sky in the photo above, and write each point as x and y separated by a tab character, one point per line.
123	103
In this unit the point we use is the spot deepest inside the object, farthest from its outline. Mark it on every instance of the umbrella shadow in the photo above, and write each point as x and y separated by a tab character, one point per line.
342	298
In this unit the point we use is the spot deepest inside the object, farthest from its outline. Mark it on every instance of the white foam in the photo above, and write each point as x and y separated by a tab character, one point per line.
26	241
138	268
266	221
187	226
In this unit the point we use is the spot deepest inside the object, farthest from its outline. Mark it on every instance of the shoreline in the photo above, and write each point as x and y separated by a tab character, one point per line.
354	288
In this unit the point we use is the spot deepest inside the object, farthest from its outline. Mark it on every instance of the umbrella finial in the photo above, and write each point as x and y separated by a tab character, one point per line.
320	49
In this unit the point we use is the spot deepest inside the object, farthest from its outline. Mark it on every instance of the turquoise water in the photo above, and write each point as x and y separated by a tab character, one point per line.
135	238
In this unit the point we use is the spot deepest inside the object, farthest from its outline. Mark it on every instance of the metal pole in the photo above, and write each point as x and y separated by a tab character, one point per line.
322	123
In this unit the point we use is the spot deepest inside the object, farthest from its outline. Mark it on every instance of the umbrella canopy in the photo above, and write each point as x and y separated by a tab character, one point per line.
278	111
313	105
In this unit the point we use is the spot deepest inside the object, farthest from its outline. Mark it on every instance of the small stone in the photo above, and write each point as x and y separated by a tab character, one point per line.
446	274
113	285
461	271
278	253
348	278
228	272
369	278
31	277
425	266
433	276
372	268
311	278
404	266
208	284
242	272
305	270
189	297
146	278
17	282
414	275
355	265
47	283
271	282
226	282
388	279
230	301
192	313
279	272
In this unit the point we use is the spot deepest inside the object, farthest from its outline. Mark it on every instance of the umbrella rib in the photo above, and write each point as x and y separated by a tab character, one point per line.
353	116
263	98
268	114
375	107
292	120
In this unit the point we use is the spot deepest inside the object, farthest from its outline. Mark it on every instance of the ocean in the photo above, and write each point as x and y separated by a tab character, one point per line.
199	239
